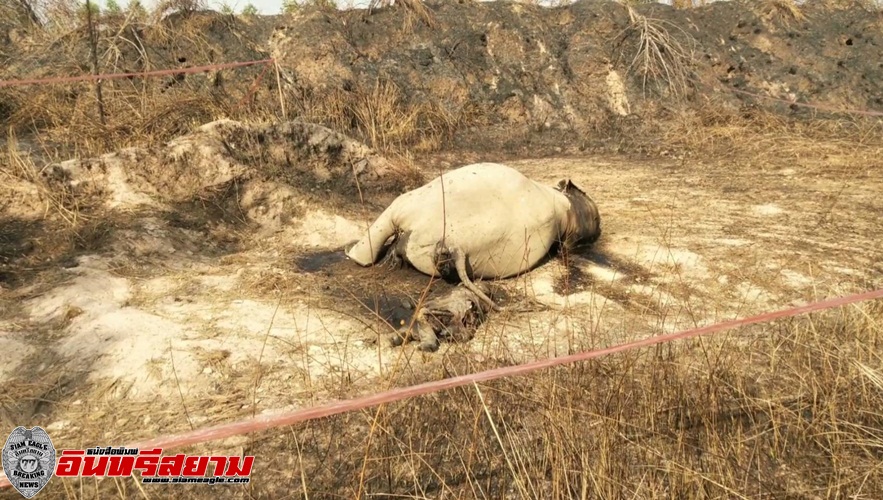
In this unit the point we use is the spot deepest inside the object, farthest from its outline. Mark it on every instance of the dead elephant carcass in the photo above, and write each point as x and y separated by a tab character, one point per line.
481	221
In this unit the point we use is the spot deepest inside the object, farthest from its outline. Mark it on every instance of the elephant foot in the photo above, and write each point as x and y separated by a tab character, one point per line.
428	346
397	339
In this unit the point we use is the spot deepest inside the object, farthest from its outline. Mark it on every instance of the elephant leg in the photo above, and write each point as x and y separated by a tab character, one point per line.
392	260
396	252
367	250
427	336
398	338
404	332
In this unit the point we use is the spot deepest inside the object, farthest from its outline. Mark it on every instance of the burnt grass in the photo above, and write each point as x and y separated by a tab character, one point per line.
786	411
520	78
593	431
489	77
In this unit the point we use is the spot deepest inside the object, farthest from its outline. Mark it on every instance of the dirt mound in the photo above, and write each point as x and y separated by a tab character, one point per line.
180	40
295	157
521	69
197	193
813	53
137	110
481	76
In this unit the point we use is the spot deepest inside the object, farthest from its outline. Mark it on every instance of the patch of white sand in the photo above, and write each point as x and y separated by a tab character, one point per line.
605	274
795	279
160	340
320	229
767	209
542	287
14	352
652	256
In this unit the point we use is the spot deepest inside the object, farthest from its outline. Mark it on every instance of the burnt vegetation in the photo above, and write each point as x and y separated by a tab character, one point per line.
787	410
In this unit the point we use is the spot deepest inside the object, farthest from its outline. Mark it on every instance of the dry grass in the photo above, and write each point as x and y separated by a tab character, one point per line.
767	136
138	111
787	410
790	410
383	117
784	10
658	55
413	7
142	112
390	124
19	170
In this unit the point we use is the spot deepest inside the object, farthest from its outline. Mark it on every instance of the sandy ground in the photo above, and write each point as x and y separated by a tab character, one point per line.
690	243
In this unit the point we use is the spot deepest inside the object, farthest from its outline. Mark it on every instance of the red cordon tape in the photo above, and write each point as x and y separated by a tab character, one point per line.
253	88
116	76
820	107
269	421
199	69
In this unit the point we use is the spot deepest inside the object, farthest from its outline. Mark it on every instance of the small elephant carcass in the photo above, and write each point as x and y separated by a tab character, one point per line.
454	317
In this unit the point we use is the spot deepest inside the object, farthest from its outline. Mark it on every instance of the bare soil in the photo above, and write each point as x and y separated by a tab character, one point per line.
694	243
163	319
198	277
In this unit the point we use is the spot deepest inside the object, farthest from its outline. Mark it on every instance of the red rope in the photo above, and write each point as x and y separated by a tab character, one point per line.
269	421
253	88
114	76
333	408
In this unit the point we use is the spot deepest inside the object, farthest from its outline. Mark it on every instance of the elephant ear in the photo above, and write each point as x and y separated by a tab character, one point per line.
566	185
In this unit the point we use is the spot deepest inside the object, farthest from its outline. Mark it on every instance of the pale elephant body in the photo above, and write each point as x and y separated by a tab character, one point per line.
489	221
